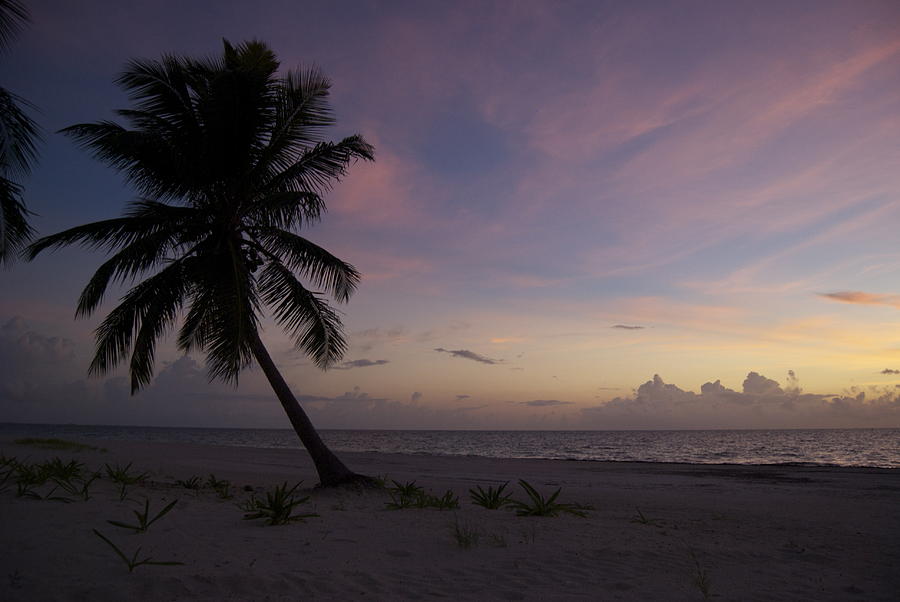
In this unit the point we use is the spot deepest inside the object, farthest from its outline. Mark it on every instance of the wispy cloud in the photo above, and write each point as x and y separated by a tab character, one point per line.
461	397
863	298
469	355
363	363
544	403
889	371
627	327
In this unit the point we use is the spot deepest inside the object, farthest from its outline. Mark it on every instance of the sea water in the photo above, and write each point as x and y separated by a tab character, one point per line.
825	447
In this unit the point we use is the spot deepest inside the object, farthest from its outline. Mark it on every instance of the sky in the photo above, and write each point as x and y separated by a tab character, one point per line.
582	215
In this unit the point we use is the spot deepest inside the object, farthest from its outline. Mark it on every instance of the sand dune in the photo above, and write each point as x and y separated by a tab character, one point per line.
737	533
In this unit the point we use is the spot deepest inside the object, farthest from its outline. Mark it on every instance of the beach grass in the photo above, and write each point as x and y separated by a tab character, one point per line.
465	535
143	518
491	498
278	507
538	505
133	562
57	444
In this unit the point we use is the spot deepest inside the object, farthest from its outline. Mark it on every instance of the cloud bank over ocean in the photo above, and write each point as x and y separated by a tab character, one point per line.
42	380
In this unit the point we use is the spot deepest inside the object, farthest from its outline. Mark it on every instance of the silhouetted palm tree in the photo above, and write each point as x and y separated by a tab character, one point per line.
18	134
230	160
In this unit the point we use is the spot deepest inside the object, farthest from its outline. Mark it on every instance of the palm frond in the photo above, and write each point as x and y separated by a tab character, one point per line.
18	136
15	231
158	317
140	256
149	160
321	166
301	114
152	298
289	209
13	16
223	315
315	263
145	218
315	327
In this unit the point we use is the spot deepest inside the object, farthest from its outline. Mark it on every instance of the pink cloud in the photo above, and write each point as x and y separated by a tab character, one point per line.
863	298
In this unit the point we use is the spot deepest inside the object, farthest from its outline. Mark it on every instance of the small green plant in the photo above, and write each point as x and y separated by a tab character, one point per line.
408	489
409	495
15	579
78	487
640	519
123	476
465	535
57	444
538	505
143	518
448	501
221	487
193	482
498	540
251	504
701	577
64	471
29	478
133	562
492	499
25	490
278	507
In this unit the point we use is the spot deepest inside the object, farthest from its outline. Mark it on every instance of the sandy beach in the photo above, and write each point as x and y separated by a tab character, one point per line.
656	532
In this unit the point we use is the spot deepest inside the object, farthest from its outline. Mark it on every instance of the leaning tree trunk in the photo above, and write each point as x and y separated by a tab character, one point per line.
331	470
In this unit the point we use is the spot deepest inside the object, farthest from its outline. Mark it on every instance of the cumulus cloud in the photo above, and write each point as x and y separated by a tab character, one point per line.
416	396
863	298
355	396
762	403
469	355
544	403
628	327
363	363
757	384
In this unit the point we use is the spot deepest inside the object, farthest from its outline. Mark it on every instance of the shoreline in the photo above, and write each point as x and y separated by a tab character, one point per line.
755	532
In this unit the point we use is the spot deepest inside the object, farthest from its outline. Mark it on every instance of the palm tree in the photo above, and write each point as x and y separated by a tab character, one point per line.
230	162
18	134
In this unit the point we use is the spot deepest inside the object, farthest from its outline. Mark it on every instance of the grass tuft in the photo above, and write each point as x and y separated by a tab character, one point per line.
133	562
640	519
221	487
57	444
492	499
465	535
410	495
538	505
123	476
193	482
277	508
701	577
143	518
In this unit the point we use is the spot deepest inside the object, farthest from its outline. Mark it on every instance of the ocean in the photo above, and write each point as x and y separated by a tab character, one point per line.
812	447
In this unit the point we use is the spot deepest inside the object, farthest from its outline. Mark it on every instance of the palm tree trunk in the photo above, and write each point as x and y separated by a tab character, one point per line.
331	470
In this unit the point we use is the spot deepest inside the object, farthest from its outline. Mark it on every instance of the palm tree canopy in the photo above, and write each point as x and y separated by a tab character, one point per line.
230	162
18	134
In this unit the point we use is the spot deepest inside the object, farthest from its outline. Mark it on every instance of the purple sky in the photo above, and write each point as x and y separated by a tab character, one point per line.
568	199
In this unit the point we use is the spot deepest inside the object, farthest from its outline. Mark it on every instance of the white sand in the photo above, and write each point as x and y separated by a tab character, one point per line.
757	533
